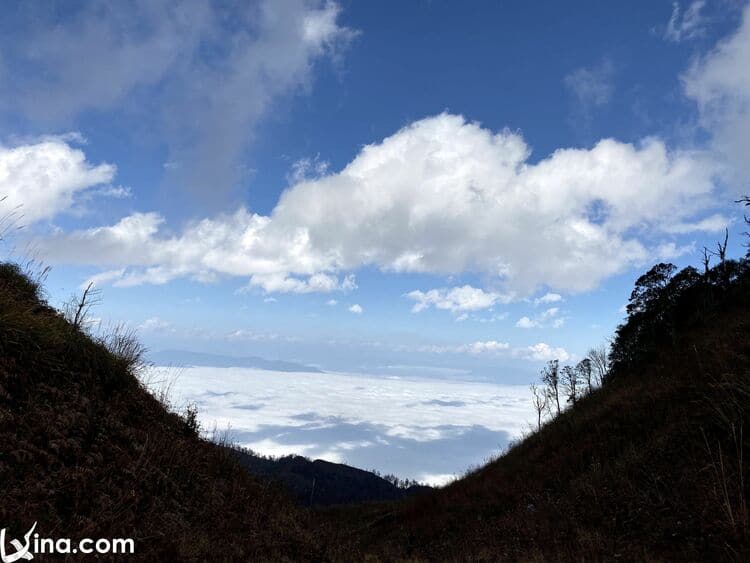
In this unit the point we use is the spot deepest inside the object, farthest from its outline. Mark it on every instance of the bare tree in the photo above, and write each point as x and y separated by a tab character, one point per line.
78	308
540	400
745	200
551	378
585	373
706	260
721	248
599	362
569	378
721	254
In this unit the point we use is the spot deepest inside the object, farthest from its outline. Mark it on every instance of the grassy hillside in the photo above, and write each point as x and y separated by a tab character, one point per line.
87	452
650	467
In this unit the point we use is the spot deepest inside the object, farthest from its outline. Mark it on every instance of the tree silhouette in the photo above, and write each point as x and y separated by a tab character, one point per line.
648	287
599	363
706	260
585	370
745	200
551	378
540	400
569	377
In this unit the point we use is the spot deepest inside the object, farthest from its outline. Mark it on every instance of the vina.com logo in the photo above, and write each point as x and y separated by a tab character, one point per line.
38	545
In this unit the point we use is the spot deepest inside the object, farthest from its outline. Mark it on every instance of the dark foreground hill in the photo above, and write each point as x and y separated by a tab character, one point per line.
651	467
85	451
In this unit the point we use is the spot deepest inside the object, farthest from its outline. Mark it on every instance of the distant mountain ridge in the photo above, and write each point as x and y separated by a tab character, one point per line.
187	358
323	483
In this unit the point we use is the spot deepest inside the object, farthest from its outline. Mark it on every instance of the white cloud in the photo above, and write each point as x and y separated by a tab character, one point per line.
317	283
307	169
43	178
670	251
548	298
243	335
593	86
549	317
356	309
542	352
485	347
399	426
160	60
456	299
440	480
446	197
155	324
713	224
687	25
719	82
534	353
331	302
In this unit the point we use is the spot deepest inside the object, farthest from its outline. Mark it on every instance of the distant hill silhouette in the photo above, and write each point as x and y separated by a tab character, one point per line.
186	359
322	483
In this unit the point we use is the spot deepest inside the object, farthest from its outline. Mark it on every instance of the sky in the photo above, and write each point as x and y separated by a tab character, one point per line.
455	190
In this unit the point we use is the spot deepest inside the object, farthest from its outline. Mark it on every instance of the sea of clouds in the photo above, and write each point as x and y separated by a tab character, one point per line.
419	428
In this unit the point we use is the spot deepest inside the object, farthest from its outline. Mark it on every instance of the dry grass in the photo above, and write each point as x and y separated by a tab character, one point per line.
88	452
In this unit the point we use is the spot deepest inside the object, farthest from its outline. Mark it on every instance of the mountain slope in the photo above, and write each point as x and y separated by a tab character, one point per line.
86	452
650	467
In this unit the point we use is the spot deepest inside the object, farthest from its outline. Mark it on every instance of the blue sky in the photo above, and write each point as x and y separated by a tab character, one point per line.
471	188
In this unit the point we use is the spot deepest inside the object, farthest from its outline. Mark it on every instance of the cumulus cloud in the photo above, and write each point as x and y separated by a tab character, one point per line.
548	298
456	299
549	317
317	283
44	178
161	60
356	309
719	82
440	196
542	352
687	25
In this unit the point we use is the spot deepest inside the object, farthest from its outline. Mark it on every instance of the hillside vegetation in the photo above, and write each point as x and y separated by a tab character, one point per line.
86	452
649	467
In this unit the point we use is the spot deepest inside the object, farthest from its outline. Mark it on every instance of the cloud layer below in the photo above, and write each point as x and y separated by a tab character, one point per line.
419	428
